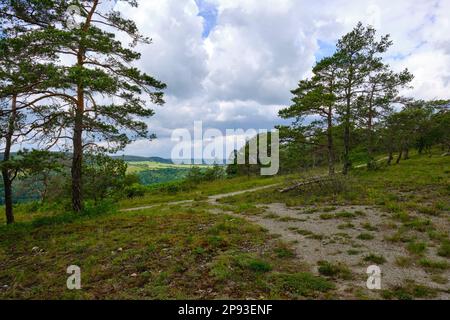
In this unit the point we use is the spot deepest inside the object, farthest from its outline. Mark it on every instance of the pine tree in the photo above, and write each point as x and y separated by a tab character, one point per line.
358	56
316	97
107	96
25	75
380	93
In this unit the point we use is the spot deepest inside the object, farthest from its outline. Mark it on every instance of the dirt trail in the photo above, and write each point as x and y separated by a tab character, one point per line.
210	199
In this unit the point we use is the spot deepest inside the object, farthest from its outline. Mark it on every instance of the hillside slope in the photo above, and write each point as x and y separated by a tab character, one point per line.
314	243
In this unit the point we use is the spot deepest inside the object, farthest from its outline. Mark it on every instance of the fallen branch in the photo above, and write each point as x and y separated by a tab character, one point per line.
308	182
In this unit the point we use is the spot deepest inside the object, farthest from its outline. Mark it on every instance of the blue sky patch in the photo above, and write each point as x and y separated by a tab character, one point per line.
326	49
209	13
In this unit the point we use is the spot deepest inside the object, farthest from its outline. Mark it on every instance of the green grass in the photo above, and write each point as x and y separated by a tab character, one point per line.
367	226
347	225
373	258
409	291
327	216
353	252
297	285
417	248
434	265
365	236
444	249
162	253
334	270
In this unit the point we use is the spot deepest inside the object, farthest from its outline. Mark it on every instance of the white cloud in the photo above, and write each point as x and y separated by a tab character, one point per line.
177	55
242	73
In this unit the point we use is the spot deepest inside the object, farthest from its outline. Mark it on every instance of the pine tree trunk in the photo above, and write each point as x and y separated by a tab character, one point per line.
8	197
347	140
77	160
390	158
331	157
370	135
77	200
6	173
406	155
399	156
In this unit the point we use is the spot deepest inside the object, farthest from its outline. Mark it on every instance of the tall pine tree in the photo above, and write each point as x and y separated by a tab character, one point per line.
108	98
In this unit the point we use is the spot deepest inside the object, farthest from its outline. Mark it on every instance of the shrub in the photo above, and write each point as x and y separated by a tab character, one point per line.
375	259
338	270
135	190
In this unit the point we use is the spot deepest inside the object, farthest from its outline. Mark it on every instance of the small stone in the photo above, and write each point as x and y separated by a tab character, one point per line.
35	249
120	249
134	275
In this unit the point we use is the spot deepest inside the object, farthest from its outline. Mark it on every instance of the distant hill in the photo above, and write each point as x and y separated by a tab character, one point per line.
125	158
142	159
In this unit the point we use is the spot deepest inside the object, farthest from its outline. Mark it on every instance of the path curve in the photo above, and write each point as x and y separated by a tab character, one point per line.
209	199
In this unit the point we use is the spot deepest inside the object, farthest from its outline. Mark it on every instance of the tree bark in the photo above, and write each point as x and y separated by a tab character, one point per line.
347	138
6	173
331	156
390	158
370	143
77	160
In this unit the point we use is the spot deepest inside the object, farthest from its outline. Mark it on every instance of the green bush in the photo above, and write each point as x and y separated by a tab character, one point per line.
197	175
332	270
373	258
135	190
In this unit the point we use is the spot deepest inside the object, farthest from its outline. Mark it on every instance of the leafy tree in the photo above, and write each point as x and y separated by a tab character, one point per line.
435	126
248	161
103	176
197	174
406	127
232	168
37	165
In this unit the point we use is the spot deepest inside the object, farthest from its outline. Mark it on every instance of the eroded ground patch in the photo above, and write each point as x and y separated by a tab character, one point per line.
341	242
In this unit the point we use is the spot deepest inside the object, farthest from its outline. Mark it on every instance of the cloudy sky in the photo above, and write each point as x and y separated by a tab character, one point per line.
232	64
